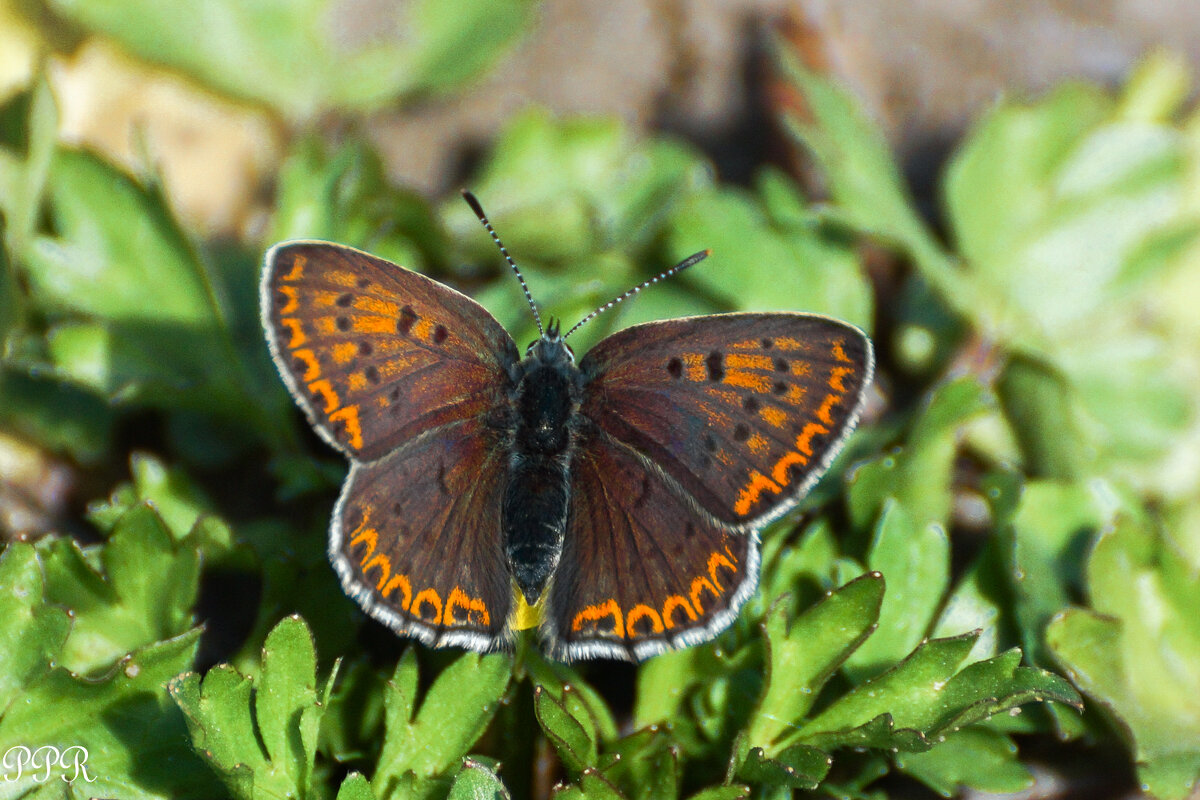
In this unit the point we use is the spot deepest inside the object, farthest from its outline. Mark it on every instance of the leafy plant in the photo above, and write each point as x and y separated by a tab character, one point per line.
1034	392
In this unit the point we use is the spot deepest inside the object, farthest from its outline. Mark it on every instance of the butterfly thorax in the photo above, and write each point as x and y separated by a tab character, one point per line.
545	403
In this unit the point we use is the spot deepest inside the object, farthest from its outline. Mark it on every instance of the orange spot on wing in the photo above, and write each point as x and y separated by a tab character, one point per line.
748	380
835	378
693	364
374	324
831	400
325	389
298	337
382	401
779	473
788	343
839	352
324	299
297	271
371	537
800	368
637	613
399	582
422	329
385	569
460	599
674	602
349	415
773	416
430	597
342	278
719	560
758	444
699	584
376	306
344	352
596	613
795	395
746	361
751	492
804	440
312	368
357	381
293	299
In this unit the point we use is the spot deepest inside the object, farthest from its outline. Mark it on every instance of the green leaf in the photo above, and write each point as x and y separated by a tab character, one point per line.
476	782
566	189
286	705
143	592
307	57
569	728
591	786
915	562
919	475
342	195
457	708
261	739
763	264
1049	532
31	632
976	757
1136	651
645	764
134	735
927	695
861	173
177	499
60	416
23	176
356	787
728	792
803	654
798	766
145	320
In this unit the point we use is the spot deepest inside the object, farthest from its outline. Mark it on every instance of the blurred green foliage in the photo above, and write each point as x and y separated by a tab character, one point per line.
1042	361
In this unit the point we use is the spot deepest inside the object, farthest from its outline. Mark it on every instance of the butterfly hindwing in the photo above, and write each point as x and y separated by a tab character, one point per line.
642	570
416	538
376	354
744	411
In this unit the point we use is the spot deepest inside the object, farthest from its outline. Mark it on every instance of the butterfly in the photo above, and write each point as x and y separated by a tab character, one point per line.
613	503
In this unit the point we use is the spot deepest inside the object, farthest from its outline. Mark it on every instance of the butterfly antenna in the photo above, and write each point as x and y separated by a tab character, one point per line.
478	209
690	261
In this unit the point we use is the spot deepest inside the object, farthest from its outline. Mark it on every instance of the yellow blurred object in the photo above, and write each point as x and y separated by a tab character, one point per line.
211	153
20	47
525	616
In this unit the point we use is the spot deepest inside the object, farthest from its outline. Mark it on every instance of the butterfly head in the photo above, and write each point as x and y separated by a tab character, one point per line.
550	347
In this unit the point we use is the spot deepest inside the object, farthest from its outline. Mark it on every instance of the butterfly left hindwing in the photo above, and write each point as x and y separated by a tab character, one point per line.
416	539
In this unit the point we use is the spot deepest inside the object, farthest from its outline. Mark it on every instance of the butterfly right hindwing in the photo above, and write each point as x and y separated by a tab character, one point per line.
642	571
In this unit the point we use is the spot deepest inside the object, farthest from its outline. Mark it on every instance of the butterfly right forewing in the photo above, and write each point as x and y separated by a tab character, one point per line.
743	411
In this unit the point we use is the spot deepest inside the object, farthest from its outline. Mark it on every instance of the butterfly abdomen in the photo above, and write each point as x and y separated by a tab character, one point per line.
534	512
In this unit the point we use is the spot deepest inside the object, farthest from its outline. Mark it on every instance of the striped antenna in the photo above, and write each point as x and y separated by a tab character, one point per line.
478	209
690	261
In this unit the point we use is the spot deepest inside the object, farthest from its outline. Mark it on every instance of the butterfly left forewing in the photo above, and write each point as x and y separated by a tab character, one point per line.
642	571
374	353
743	411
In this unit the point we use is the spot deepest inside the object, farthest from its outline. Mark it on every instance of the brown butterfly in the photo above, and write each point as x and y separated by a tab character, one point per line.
614	503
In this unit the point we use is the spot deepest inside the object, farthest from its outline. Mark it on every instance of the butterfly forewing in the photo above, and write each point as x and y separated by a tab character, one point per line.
416	538
744	411
641	570
376	354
